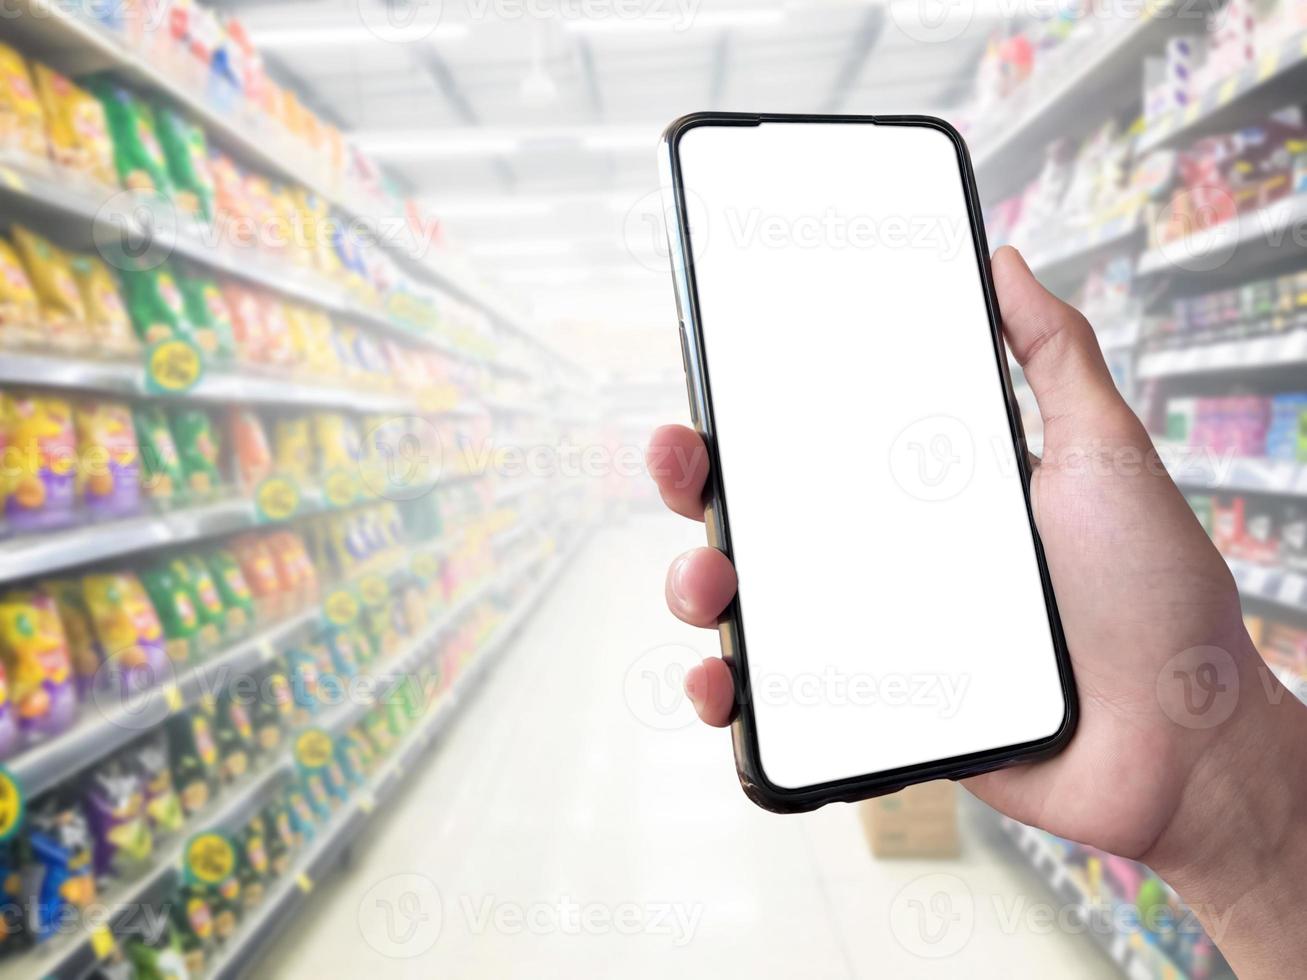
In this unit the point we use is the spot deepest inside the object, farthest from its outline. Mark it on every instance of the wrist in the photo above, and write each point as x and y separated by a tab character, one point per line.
1235	848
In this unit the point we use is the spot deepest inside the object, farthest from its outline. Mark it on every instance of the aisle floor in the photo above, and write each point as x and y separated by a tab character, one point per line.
575	823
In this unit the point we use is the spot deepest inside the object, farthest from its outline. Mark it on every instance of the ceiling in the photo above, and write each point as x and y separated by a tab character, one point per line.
530	126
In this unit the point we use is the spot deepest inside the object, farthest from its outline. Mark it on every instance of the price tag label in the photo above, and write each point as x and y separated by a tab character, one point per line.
341	608
102	942
1267	65
13	806
1191	113
375	591
172	697
210	858
314	749
341	488
304	883
366	802
1226	92
267	651
12	179
173	367
277	499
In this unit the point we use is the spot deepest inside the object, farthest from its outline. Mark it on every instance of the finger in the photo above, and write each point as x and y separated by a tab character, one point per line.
678	462
1053	343
700	584
711	689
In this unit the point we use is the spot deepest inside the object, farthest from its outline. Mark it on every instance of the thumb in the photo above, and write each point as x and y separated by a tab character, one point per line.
1055	346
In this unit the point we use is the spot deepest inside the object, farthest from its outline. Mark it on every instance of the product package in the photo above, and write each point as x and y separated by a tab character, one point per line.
20	310
151	763
198	449
40	483
234	589
157	305
206	308
107	317
83	650
176	608
110	468
164	482
49	269
60	880
138	155
22	122
37	665
194	754
115	811
254	462
187	154
127	630
77	128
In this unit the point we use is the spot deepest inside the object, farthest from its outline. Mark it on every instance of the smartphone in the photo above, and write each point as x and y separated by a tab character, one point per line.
895	621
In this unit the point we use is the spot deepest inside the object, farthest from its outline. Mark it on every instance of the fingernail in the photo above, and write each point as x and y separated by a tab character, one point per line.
677	584
696	686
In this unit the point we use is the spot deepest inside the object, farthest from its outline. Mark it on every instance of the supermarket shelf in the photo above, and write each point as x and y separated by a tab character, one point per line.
127	379
1076	92
1274	350
104	728
291	893
1270	583
74	954
1075	252
1272	82
1208	470
40	554
1132	953
1234	247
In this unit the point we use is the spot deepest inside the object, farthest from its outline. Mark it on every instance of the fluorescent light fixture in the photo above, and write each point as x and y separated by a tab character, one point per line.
677	21
431	144
522	249
303	38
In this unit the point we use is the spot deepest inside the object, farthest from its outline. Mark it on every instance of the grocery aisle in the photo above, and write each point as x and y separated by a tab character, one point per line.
572	827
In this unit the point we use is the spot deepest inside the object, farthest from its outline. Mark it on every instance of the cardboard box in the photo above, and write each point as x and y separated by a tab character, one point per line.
920	821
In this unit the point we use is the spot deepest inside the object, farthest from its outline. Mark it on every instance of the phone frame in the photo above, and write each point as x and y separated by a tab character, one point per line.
744	737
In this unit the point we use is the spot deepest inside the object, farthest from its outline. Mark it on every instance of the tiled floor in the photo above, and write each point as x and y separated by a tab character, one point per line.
576	824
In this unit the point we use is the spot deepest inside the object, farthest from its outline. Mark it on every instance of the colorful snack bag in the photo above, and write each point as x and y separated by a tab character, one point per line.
157	305
271	711
127	629
260	570
253	870
194	756
83	651
298	576
337	440
20	310
234	589
22	123
77	127
234	734
115	811
63	315
40	459
247	323
164	481
206	308
9	737
111	325
187	154
278	348
193	920
151	763
198	449
250	439
321	357
208	601
176	608
231	204
138	155
281	836
60	882
35	653
110	468
293	449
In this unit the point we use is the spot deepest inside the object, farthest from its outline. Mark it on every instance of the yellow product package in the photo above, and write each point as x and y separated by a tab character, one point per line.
22	123
293	449
51	274
106	314
76	126
20	312
323	360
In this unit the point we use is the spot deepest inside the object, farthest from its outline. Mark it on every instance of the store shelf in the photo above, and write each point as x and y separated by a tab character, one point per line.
292	892
1076	251
1104	921
1239	246
1075	92
1270	583
1274	350
1207	470
1274	81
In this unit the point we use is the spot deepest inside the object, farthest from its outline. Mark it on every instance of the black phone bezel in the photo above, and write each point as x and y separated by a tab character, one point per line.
753	779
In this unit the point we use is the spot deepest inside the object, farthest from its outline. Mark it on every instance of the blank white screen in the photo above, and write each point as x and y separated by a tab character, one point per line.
890	593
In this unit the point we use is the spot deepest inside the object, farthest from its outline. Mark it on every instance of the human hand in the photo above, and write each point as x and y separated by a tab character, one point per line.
1146	603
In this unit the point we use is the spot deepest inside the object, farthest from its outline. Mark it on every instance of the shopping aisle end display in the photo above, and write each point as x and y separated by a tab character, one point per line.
586	824
261	536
